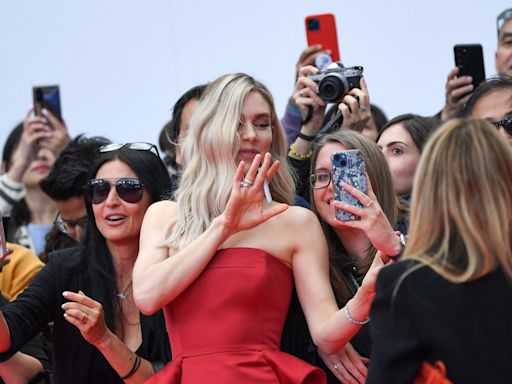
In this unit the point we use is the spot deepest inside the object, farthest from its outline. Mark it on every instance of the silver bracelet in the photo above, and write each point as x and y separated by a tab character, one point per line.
351	319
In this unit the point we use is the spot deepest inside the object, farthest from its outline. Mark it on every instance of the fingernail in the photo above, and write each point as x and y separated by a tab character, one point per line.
63	306
44	111
65	293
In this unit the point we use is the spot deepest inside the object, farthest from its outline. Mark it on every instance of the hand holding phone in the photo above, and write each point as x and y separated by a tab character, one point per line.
349	167
470	61
321	30
47	97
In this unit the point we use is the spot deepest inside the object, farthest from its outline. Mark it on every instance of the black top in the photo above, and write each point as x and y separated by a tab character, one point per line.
468	326
75	360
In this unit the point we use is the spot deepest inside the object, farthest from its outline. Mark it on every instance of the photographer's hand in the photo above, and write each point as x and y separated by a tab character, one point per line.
458	92
59	138
306	98
307	57
355	108
34	131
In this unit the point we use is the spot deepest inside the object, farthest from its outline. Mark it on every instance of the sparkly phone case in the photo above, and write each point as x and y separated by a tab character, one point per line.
348	166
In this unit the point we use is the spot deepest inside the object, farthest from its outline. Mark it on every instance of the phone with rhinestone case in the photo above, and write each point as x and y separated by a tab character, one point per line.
348	166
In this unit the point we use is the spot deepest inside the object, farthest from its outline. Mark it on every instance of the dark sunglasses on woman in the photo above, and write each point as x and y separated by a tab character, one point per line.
506	123
129	189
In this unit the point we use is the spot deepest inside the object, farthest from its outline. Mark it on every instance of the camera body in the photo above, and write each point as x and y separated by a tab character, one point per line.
336	81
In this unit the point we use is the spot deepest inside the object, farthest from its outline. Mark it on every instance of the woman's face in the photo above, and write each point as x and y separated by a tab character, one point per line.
402	156
255	129
117	220
324	197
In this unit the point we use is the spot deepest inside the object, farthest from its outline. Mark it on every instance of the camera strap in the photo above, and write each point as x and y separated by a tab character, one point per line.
337	120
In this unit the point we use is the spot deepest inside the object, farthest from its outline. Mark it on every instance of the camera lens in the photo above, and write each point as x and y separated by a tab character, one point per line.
331	88
313	25
343	163
336	157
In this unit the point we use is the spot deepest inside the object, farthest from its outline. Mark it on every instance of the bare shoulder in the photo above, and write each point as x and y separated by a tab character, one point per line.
299	218
161	211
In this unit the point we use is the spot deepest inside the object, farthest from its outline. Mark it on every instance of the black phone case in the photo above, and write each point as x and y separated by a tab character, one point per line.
470	60
47	97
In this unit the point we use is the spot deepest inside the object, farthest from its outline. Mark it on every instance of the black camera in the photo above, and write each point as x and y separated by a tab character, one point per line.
336	81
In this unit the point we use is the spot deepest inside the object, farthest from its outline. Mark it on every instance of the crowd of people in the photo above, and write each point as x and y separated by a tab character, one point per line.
225	259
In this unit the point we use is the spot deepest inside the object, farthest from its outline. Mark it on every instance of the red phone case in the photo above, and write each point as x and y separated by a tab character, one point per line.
321	29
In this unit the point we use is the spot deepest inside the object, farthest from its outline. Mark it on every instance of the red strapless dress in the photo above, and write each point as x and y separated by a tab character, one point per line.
226	326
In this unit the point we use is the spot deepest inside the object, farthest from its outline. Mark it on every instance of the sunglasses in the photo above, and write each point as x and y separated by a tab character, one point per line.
129	189
506	123
69	226
135	146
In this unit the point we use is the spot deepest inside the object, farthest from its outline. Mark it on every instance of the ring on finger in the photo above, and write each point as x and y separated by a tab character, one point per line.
301	94
245	183
369	203
362	108
85	316
336	366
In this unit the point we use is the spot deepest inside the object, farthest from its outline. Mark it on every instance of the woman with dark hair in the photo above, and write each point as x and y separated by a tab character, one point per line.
402	140
99	334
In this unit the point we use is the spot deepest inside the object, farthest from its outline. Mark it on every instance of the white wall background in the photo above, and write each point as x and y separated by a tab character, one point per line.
121	64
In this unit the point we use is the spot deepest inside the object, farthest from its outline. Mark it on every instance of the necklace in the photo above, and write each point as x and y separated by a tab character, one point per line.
123	295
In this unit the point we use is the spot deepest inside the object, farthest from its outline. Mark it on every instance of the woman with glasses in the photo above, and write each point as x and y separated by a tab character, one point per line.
353	245
449	300
223	258
99	334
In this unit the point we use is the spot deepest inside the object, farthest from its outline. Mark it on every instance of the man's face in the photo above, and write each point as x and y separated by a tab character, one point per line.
495	106
73	210
503	60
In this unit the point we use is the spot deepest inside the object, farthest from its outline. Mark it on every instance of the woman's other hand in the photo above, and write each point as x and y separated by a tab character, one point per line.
87	315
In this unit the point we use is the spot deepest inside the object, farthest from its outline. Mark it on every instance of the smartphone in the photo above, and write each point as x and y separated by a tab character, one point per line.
3	245
348	166
48	97
470	60
321	29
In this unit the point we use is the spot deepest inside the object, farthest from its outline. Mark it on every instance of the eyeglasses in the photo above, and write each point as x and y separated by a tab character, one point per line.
129	189
502	18
69	226
135	146
506	123
320	180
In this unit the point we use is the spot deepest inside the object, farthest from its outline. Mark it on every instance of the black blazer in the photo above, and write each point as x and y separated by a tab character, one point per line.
468	326
74	359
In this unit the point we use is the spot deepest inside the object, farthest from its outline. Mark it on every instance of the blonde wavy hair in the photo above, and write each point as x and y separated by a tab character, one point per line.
208	151
462	202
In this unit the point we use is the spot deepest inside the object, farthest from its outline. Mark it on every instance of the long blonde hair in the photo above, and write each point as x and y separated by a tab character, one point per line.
209	150
462	202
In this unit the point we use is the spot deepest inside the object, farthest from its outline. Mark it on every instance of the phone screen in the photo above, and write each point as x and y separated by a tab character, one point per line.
348	166
470	60
47	97
321	29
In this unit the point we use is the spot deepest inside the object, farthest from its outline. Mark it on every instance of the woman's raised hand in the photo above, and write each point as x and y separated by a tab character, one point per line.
246	207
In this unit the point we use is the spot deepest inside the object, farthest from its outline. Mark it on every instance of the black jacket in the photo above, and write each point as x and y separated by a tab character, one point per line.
468	326
74	359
